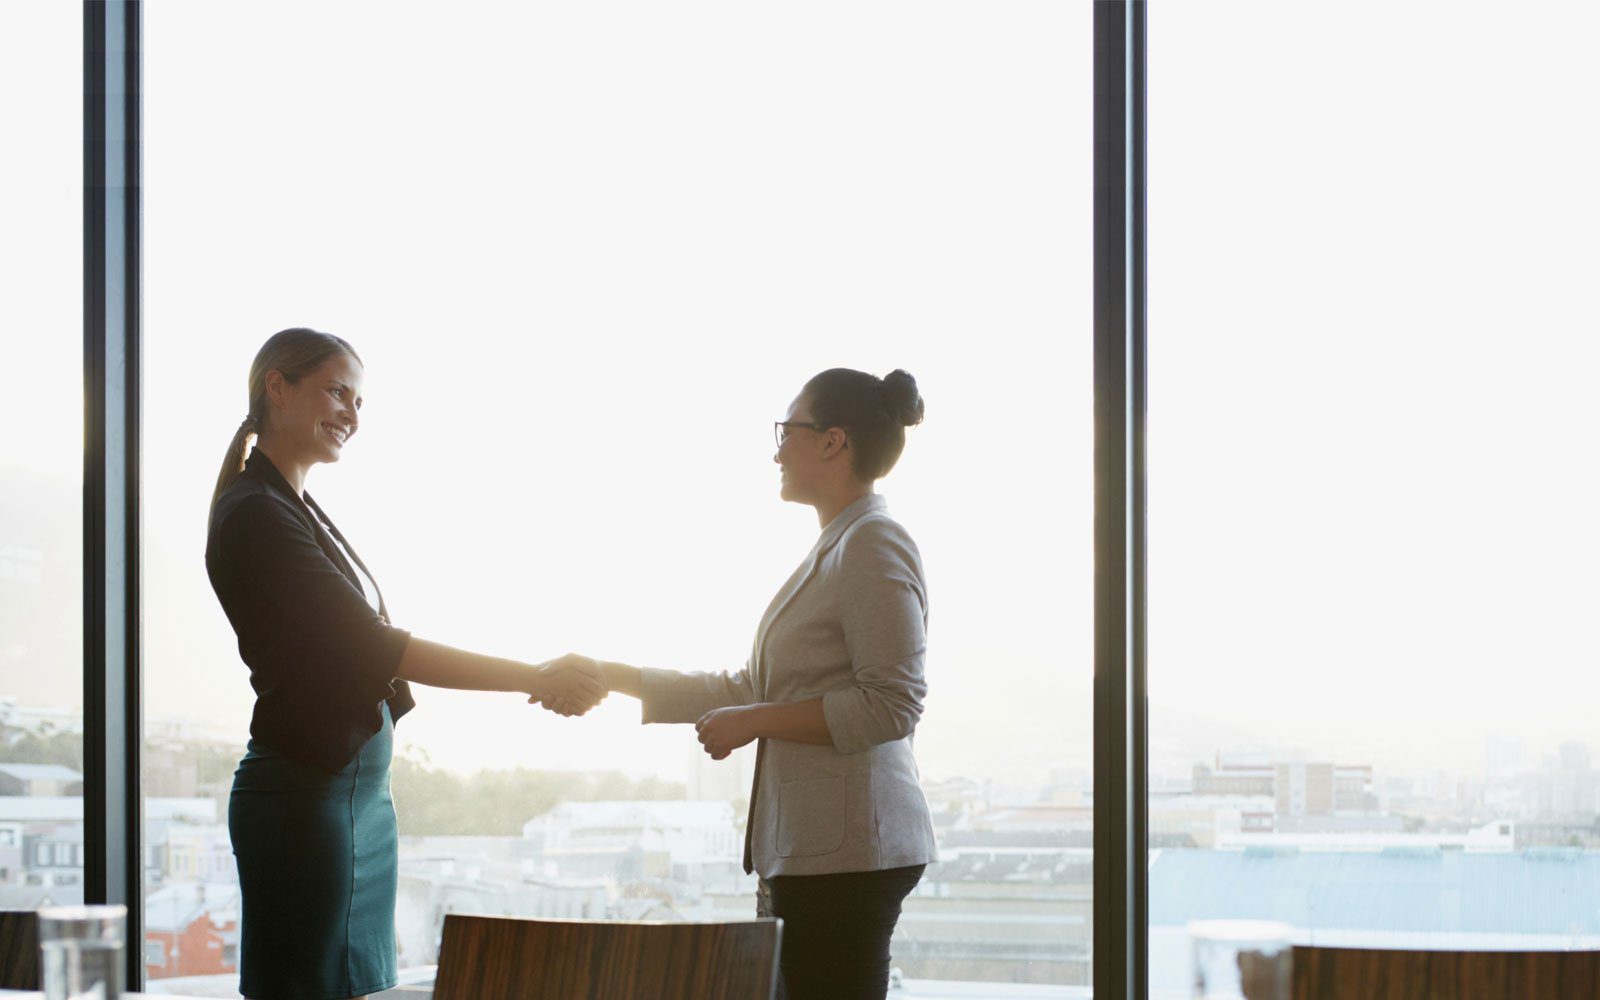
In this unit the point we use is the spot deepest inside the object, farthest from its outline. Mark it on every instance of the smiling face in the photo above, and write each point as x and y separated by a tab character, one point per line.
806	456
314	418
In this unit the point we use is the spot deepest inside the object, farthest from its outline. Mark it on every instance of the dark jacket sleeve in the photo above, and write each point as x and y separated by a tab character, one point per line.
321	627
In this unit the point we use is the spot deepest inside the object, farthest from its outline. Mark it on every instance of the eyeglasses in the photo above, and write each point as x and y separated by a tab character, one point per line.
780	428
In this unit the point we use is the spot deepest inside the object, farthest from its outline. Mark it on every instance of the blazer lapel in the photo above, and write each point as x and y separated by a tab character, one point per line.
262	468
801	576
336	552
780	600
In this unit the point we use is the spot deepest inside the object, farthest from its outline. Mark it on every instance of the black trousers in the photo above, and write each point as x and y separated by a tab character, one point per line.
836	931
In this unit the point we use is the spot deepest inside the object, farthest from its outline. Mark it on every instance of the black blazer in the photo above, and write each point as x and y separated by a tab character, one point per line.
321	661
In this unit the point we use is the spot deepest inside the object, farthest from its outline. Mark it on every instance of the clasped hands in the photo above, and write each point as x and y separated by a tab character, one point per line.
567	685
724	730
572	684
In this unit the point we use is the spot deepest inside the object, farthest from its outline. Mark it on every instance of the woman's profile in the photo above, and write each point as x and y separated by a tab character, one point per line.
839	830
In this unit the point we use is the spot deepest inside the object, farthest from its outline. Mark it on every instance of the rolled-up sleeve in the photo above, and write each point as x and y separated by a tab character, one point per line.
671	696
329	628
883	609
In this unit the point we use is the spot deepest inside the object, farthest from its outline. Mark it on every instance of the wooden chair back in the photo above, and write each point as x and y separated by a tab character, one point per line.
19	950
1374	974
510	958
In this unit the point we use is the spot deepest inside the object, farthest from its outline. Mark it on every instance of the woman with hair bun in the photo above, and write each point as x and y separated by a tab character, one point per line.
839	830
312	823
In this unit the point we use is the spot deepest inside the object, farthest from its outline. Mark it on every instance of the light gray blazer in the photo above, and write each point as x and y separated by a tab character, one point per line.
850	627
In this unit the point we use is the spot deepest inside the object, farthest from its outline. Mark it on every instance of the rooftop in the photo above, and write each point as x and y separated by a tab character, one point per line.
1553	893
40	772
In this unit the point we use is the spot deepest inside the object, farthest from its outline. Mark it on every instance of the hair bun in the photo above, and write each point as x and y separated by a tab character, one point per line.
900	395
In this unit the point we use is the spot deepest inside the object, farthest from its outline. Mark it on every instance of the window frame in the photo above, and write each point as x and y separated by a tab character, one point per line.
112	707
1121	891
111	600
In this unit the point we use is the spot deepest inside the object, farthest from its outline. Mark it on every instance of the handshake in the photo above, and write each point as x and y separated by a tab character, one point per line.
568	685
573	684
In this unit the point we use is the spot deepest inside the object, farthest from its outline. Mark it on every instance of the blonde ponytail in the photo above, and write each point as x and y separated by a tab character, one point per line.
233	464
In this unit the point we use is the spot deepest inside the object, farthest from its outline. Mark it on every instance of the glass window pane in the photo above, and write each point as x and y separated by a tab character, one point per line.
41	458
588	256
1372	534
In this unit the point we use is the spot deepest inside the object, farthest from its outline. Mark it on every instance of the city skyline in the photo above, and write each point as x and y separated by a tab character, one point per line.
1006	903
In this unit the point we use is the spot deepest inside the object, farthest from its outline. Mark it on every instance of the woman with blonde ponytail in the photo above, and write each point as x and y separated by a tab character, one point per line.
312	823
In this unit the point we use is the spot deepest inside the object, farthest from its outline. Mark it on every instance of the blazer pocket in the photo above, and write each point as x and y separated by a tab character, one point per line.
815	813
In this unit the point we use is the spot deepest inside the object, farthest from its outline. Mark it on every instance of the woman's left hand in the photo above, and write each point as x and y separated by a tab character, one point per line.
724	730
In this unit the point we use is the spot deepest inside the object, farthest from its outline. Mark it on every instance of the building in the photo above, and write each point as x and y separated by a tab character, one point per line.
1009	900
191	929
440	875
190	852
1015	914
11	863
1237	776
669	840
26	718
41	840
1299	788
170	772
42	780
1439	898
53	854
1200	820
1033	819
1499	836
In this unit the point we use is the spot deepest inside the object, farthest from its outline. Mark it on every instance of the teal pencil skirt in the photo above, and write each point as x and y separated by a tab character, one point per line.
318	858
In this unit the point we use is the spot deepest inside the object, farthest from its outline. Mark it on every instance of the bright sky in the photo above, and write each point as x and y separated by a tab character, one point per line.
1373	353
590	253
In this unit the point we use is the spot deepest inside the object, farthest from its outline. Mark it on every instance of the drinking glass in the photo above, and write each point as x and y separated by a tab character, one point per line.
1241	959
82	951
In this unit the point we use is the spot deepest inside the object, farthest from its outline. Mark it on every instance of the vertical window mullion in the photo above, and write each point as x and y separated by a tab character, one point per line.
111	234
1120	884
